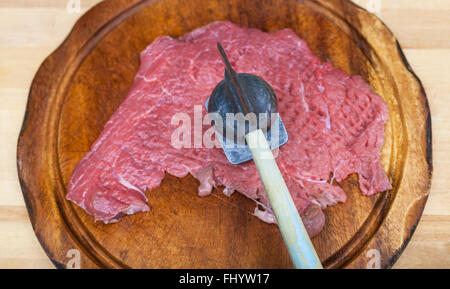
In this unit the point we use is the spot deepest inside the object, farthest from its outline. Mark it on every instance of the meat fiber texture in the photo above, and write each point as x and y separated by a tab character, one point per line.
334	121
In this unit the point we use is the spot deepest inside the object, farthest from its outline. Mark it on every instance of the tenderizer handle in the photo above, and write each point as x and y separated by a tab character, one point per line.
297	241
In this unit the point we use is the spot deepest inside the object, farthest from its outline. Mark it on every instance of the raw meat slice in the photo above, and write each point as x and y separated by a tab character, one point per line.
334	121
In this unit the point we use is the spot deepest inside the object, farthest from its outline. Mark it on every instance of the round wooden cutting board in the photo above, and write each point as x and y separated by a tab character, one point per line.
83	82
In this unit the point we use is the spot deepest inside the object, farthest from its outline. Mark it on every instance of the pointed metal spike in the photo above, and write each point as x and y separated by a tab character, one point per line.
233	78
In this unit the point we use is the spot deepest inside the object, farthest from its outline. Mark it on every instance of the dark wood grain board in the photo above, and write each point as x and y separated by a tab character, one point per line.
83	82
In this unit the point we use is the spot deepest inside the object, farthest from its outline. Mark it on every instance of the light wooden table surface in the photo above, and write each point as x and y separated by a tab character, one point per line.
31	29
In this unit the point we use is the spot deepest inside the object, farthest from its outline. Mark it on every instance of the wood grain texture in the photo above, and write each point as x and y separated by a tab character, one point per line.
432	235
